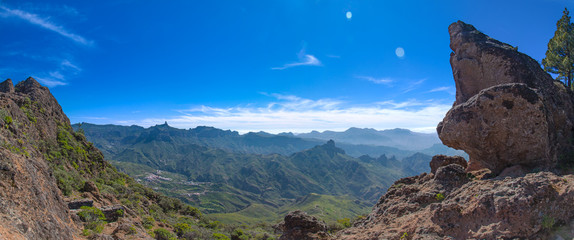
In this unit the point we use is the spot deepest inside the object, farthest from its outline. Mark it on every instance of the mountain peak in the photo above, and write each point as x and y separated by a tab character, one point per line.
28	85
7	86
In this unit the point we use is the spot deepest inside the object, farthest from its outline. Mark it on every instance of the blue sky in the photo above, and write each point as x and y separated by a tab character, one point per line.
268	65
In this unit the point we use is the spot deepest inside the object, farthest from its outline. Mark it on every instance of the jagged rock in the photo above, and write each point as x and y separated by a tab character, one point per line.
511	208
298	225
508	111
77	204
453	174
31	204
7	86
442	160
510	117
113	213
28	86
91	187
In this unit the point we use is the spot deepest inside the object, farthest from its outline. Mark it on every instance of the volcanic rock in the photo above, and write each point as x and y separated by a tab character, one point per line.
508	111
514	121
7	86
299	225
77	204
442	160
113	213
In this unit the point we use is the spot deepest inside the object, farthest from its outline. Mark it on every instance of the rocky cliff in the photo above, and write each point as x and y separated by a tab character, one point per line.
508	111
515	122
48	172
32	206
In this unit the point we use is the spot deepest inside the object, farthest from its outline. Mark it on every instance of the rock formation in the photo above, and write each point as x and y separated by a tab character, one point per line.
31	206
508	111
37	141
442	160
300	226
515	122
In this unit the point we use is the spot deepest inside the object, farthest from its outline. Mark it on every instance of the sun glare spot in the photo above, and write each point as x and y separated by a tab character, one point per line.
400	52
349	15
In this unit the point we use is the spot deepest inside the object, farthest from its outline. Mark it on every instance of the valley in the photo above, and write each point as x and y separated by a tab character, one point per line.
259	177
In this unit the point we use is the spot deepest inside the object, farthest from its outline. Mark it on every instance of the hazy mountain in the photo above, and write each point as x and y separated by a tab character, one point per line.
398	138
113	138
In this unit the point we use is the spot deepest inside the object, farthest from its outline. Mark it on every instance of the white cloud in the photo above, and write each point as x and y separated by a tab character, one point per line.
295	114
442	89
59	77
50	81
413	85
304	60
386	81
44	23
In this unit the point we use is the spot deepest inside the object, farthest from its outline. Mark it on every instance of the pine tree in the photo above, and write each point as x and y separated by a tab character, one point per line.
560	54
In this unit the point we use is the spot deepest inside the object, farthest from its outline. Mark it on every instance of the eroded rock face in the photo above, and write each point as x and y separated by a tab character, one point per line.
511	118
442	160
31	205
508	111
299	225
511	208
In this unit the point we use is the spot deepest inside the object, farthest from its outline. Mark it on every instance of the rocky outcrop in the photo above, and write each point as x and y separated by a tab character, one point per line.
40	158
79	203
113	213
512	208
7	86
515	123
508	111
300	226
442	160
31	204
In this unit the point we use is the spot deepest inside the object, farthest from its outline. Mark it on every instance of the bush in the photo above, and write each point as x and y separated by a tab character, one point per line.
91	214
439	197
238	234
94	219
164	234
8	120
191	211
181	229
346	222
220	236
148	222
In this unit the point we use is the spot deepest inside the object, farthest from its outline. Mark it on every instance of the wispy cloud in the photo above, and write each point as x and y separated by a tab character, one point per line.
44	23
59	77
386	81
288	113
404	104
413	85
50	82
449	90
304	60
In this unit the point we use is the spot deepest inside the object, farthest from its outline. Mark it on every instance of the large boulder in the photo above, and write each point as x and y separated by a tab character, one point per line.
508	111
297	225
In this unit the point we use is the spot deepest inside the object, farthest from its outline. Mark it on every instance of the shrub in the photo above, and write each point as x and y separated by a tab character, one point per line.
8	120
191	211
91	214
148	222
439	197
164	234
181	229
346	222
547	222
238	234
94	219
220	236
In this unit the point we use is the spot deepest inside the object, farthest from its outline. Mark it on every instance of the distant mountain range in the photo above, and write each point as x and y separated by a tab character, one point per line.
398	138
355	141
226	172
